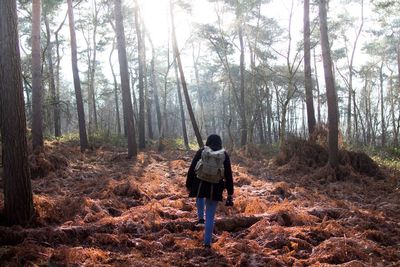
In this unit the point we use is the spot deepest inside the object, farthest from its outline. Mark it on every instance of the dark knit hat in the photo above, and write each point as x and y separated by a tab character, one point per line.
214	142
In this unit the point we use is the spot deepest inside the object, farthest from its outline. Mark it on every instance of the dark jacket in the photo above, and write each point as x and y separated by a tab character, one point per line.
203	189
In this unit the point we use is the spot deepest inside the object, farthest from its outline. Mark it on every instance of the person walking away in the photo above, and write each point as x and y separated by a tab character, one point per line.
209	174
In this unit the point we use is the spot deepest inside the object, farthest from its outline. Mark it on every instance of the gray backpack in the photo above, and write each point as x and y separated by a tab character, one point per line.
210	167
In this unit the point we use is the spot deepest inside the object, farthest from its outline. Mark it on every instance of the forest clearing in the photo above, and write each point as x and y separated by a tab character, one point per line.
101	209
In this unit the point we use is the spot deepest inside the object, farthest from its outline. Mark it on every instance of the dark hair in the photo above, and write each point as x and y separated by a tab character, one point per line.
214	142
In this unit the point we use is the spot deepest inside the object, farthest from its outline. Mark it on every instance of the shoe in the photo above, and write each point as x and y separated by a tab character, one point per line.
200	223
229	201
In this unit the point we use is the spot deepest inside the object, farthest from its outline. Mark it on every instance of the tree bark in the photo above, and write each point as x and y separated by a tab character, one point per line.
52	84
142	137
37	107
383	124
199	93
292	68
289	95
124	73
366	110
242	108
278	115
256	119
148	94
57	104
259	118
165	124
349	125
18	203
77	83
361	122
183	81
356	131
133	80
118	119
155	86
396	141
348	131
183	123
307	70
330	87
269	114
28	103
392	109
318	91
92	71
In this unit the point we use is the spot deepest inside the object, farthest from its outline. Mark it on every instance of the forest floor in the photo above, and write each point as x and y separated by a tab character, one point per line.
101	209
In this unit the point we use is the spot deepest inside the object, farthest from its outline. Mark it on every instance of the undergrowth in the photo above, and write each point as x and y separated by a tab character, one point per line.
385	157
173	144
96	140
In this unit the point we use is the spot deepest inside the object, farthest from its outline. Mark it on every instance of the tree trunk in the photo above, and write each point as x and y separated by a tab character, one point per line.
134	98
147	93
269	114
256	90
18	203
199	93
351	91
292	68
155	86
278	115
148	97
303	121
307	70
356	130
124	73
318	91
165	124
367	115
383	124
289	120
184	87
348	131
77	83
92	71
37	120
398	84
282	127
330	88
57	104
52	84
224	112
229	121
392	109
142	137
260	119
361	122
242	107
178	87
118	119
28	104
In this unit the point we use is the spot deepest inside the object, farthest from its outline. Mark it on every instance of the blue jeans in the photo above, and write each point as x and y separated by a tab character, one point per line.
211	207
